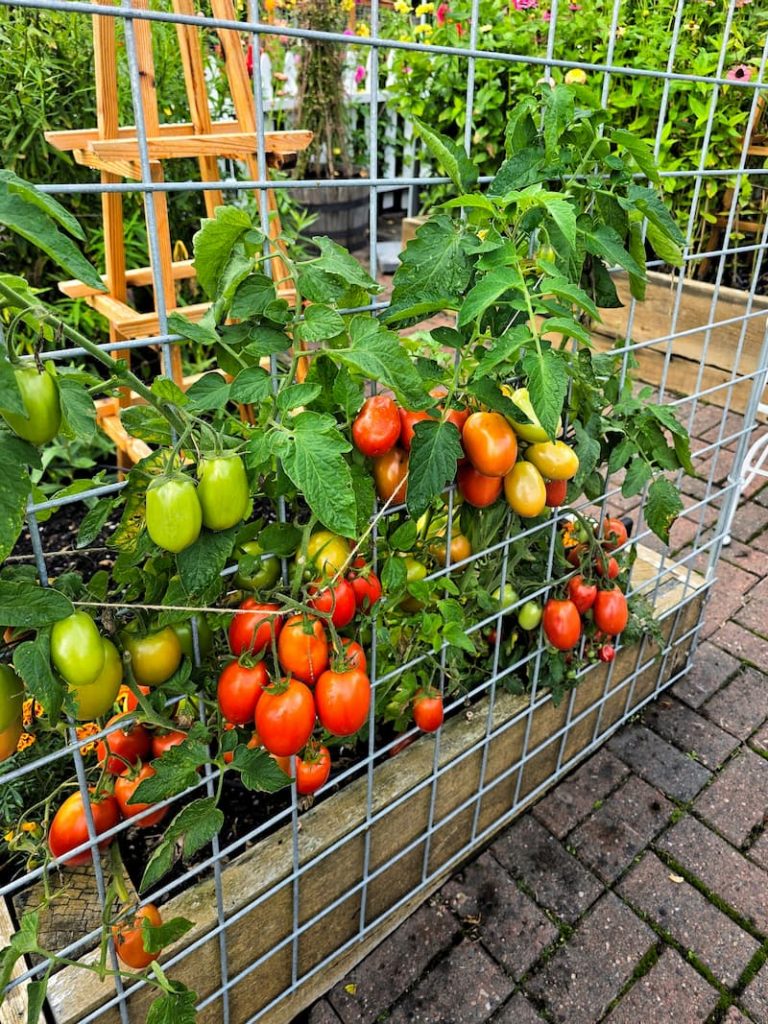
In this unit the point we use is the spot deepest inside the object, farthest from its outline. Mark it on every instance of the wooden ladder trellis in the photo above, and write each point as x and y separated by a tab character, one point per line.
113	150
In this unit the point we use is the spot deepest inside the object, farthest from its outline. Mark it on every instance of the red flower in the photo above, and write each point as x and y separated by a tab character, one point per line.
441	13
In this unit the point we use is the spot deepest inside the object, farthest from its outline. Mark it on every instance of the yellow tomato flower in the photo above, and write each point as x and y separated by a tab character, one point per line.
8	837
575	76
422	30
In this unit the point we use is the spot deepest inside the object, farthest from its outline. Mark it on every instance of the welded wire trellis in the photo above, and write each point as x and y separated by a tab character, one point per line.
707	519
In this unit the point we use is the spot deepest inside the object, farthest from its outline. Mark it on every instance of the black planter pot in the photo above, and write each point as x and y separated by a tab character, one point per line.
342	212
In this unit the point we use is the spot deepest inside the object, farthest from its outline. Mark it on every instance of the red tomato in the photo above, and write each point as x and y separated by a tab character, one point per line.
389	473
490	443
338	599
606	653
428	711
129	939
285	719
556	492
253	632
128	746
377	426
613	568
239	689
302	648
614	533
574	555
562	624
582	594
125	787
478	490
458	417
69	829
312	772
161	742
610	611
407	422
354	654
343	700
365	584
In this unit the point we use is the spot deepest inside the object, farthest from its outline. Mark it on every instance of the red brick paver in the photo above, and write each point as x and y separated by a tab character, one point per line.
671	993
736	801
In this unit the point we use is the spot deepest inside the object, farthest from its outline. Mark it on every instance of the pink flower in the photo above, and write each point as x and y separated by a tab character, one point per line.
348	32
546	16
359	74
525	5
407	70
441	13
743	3
574	7
740	73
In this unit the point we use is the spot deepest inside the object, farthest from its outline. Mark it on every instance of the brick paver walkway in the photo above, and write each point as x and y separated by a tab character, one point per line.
634	892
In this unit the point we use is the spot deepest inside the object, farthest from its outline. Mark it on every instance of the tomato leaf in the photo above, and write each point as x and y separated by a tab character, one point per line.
547	386
202	331
32	660
281	539
214	242
604	241
144	422
639	150
10	396
320	323
379	355
155	937
455	634
316	466
526	167
28	604
365	496
211	391
175	772
23	941
488	290
259	772
77	410
451	157
335	260
663	506
637	476
394	575
195	826
202	562
558	114
15	456
435	451
175	1007
297	394
588	450
571	293
253	384
651	204
253	297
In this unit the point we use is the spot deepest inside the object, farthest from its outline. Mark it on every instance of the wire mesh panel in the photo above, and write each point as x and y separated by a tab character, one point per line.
581	305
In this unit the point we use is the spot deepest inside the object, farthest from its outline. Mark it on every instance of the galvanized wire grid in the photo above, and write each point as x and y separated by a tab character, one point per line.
711	514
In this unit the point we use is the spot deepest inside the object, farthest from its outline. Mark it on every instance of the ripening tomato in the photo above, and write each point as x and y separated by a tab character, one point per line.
562	624
458	417
354	654
127	746
415	572
328	552
77	651
164	741
581	593
461	548
41	419
478	490
252	629
553	459
126	699
556	492
531	431
408	421
365	584
377	426
11	696
302	648
614	533
606	653
126	785
154	657
174	516
607	568
183	631
69	828
338	600
285	718
239	689
428	711
9	738
610	611
312	771
490	443
129	938
222	491
525	490
97	698
343	700
265	572
389	472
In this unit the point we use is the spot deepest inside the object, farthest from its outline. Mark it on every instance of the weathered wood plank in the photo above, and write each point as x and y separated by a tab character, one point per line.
235	144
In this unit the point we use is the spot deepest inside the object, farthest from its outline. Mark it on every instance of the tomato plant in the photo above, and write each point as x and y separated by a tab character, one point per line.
582	594
529	616
553	459
338	600
389	473
174	516
254	627
556	492
477	488
222	491
610	611
92	700
614	533
154	656
77	650
302	648
365	584
183	631
126	785
266	568
328	552
123	747
490	443
428	711
354	654
164	741
313	770
525	490
41	418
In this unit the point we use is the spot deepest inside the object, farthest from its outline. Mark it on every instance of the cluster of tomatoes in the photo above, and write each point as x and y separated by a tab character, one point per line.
590	595
499	453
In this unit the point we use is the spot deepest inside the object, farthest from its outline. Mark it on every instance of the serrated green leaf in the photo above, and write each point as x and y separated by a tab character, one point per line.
379	354
78	413
451	157
502	350
144	422
654	208
335	260
365	495
202	562
435	451
253	297
637	285
175	772
52	207
604	241
23	941
663	506
486	291
455	634
297	394
346	392
568	327
664	247
168	391
259	772
320	323
588	450
93	522
317	468
10	396
202	331
547	386
15	456
155	938
621	454
280	539
637	476
32	660
28	604
214	242
524	168
175	1007
251	385
394	576
211	391
639	150
561	213
571	293
195	826
471	201
558	114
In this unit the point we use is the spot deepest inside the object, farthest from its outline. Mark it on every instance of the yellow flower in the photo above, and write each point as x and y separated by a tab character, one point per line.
401	7
25	740
31	709
362	30
348	6
30	826
8	837
427	8
83	732
422	30
404	39
575	76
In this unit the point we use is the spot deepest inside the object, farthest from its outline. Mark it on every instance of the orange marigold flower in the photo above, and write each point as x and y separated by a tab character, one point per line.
25	740
31	709
83	732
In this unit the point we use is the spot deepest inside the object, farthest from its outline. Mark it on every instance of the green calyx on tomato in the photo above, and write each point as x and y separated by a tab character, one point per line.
40	397
11	697
222	491
97	698
154	657
77	650
257	570
174	515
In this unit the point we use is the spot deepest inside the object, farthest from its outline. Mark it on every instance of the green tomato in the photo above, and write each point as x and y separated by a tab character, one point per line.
532	431
77	649
11	696
154	657
328	552
96	698
183	631
223	491
529	615
40	395
174	515
264	573
415	571
511	596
